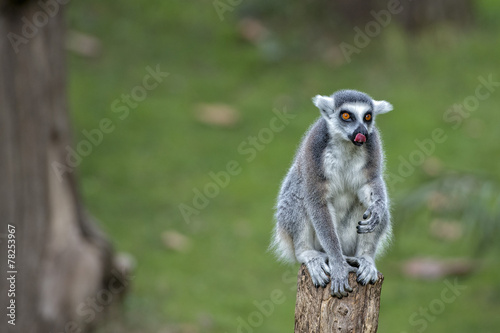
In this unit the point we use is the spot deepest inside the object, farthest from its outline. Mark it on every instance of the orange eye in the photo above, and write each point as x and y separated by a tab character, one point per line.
368	117
345	116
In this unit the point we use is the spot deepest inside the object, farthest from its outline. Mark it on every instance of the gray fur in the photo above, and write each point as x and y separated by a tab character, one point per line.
332	212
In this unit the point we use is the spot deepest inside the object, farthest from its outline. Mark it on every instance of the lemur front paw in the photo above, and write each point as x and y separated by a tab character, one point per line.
367	272
339	276
371	217
318	270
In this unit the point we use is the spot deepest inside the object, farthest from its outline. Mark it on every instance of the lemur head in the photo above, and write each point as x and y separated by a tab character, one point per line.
351	114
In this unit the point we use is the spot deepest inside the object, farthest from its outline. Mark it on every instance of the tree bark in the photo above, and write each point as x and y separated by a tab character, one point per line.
414	15
317	311
62	261
418	15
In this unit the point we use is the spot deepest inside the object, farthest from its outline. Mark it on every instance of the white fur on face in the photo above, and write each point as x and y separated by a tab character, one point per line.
339	128
358	109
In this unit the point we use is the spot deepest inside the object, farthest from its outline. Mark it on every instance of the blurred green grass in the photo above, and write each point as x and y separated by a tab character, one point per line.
135	179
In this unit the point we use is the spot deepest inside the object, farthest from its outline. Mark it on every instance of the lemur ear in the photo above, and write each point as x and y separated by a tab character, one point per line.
325	104
382	107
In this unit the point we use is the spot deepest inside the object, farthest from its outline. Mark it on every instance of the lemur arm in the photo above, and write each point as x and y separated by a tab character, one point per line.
316	191
323	222
373	196
322	219
375	219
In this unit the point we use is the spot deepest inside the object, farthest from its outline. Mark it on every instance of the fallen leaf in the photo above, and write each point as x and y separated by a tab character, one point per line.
334	56
222	115
83	44
283	102
176	241
206	321
432	166
433	269
446	230
188	328
252	29
242	229
437	201
474	128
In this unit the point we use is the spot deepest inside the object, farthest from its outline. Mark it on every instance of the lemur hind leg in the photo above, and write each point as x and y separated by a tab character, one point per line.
315	260
364	258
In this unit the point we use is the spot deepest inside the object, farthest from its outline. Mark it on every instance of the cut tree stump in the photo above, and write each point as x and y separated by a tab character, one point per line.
317	311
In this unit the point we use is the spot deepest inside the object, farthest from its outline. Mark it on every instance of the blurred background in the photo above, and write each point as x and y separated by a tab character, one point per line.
209	100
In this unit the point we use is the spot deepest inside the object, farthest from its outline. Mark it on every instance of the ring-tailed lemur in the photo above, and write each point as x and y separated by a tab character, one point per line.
332	212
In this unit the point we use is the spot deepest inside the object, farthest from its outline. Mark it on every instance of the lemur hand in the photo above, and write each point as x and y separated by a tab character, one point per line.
371	218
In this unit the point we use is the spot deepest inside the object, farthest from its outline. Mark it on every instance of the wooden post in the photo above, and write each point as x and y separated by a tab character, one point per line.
317	311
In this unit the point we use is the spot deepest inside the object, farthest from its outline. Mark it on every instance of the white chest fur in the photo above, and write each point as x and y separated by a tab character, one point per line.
343	165
345	175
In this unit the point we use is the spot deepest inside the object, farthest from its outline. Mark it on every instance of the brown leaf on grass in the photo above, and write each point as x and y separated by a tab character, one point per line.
446	230
437	201
188	328
205	321
180	328
242	229
252	30
334	56
474	128
283	102
83	44
176	241
222	115
433	269
432	166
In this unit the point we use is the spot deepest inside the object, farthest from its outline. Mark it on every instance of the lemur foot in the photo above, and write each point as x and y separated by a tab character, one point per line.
367	272
318	270
339	275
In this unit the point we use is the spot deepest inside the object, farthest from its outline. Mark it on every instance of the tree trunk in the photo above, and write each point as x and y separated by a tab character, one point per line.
414	16
417	15
317	311
61	269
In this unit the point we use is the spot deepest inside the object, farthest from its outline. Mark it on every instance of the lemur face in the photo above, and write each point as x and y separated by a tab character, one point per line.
350	114
354	121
